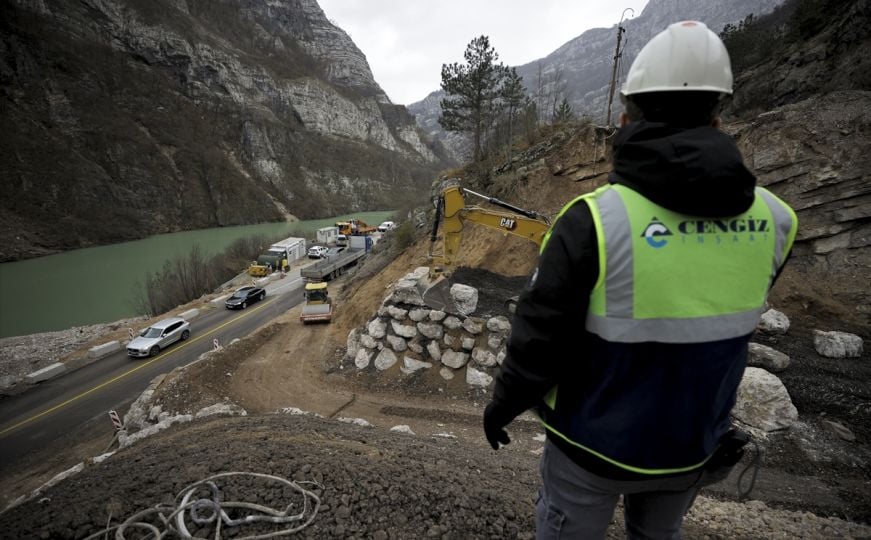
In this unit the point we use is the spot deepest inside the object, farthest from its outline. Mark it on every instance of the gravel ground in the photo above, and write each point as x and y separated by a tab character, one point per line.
371	484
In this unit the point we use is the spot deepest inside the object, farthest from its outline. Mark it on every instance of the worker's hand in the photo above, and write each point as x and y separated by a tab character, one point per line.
495	420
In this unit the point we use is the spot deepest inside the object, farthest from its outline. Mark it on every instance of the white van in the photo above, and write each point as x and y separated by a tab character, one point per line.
386	226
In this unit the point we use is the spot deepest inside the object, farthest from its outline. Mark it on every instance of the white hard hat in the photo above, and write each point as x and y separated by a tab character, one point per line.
685	56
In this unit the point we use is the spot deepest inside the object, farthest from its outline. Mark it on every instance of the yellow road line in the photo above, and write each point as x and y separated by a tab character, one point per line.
137	368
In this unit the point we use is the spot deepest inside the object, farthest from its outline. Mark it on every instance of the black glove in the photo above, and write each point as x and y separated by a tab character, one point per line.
496	417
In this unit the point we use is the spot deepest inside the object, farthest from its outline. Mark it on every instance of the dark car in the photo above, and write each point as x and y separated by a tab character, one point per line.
245	296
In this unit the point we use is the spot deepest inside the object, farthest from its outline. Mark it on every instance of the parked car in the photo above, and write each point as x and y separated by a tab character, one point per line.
159	336
317	252
244	297
387	226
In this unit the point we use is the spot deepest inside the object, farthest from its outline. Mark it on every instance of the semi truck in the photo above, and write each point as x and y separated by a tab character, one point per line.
332	265
354	227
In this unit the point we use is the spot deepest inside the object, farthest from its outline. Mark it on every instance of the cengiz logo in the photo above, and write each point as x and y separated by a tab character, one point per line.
655	232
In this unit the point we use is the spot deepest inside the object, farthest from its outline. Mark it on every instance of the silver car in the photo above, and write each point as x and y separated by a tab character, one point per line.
159	336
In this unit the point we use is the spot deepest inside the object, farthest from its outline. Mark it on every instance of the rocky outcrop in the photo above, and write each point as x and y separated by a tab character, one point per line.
814	54
816	155
124	121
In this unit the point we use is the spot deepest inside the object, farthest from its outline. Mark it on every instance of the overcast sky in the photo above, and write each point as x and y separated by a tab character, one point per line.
407	41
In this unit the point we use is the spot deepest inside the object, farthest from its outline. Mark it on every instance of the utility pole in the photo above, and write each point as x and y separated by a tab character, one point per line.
617	54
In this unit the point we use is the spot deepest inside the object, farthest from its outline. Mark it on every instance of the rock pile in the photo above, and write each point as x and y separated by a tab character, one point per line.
407	336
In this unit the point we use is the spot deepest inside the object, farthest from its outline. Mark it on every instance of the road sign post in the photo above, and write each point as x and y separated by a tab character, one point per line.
116	420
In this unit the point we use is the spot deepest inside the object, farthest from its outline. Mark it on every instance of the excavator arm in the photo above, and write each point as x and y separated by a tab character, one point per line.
454	214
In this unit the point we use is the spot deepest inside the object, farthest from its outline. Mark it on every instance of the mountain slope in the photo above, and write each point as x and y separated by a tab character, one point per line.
581	69
125	118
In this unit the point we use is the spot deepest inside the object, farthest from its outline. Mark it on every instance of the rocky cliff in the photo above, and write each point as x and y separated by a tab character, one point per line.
125	118
581	69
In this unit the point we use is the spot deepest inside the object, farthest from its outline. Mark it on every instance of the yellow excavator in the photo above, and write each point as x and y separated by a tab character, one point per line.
452	214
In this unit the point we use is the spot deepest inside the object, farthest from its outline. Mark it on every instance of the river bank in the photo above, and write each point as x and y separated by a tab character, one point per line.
98	285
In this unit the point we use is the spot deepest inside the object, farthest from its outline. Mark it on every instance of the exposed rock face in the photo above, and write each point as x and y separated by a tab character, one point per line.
832	59
816	155
126	119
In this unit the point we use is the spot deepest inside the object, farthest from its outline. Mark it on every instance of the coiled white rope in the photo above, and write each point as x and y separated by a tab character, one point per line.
211	510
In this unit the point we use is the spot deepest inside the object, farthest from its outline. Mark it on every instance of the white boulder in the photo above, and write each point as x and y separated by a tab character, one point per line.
410	365
418	314
434	351
767	358
483	357
397	313
452	323
837	344
465	298
773	322
499	324
368	341
763	401
353	343
446	373
385	359
403	330
430	330
364	356
473	326
477	378
397	343
437	316
377	328
455	359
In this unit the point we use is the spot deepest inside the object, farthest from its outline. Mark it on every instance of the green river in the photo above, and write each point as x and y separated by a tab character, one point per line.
98	284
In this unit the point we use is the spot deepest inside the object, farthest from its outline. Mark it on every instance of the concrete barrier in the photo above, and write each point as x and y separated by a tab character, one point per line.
46	373
190	314
262	281
219	301
105	349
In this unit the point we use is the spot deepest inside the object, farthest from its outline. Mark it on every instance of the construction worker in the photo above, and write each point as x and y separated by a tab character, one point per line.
632	336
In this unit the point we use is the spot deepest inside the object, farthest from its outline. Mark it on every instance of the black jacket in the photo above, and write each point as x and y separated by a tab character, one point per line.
691	171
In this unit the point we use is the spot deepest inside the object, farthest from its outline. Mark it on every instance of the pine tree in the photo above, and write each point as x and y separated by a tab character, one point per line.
473	90
563	113
513	96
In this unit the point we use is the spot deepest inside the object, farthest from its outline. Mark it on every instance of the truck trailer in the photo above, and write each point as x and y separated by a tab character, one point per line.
332	266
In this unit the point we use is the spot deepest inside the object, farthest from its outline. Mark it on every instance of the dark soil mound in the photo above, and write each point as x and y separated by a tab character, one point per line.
375	483
493	289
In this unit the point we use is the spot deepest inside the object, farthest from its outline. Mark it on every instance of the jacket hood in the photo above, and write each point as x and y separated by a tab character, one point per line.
696	171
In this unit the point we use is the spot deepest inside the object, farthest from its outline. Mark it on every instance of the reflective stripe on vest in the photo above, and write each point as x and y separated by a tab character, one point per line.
673	278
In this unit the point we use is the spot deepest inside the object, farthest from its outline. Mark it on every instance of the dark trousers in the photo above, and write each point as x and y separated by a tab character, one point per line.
574	503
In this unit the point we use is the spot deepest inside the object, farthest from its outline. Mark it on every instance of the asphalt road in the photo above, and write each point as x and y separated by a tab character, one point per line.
42	415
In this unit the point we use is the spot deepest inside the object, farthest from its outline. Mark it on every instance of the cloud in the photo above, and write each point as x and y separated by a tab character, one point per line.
406	42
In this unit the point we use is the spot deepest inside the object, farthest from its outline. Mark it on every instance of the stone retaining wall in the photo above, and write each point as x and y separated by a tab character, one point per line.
406	336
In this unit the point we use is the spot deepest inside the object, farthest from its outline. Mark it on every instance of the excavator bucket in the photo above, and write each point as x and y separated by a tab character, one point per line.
438	296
